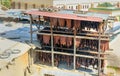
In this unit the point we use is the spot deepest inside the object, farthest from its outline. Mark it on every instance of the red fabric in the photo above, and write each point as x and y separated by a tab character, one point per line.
56	39
61	22
66	16
63	40
69	41
77	24
68	23
55	21
46	39
104	45
78	42
51	21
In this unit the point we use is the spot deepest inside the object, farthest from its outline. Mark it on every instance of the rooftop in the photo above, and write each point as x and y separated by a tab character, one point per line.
10	50
66	14
107	9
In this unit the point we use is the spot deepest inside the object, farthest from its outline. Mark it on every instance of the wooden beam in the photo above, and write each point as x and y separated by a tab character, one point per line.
86	51
92	52
91	38
86	56
87	34
31	34
81	37
74	58
77	55
63	53
52	49
45	51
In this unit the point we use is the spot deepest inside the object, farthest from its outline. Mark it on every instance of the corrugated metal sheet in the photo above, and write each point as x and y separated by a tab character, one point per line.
66	16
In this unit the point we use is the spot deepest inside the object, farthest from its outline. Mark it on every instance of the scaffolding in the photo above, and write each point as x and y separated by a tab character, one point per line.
74	39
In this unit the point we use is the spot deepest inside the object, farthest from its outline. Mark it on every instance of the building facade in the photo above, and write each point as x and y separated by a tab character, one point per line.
28	4
83	5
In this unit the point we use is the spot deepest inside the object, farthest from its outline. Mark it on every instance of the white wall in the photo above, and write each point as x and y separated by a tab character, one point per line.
84	3
116	13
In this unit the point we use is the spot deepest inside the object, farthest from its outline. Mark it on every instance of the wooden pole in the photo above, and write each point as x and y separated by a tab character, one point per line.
52	49
31	38
74	49
99	51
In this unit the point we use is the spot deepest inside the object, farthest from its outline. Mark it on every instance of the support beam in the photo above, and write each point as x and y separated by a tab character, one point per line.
99	51
74	60
52	49
82	37
77	55
31	34
31	40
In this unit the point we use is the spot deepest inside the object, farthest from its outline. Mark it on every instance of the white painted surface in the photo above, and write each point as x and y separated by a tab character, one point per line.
9	45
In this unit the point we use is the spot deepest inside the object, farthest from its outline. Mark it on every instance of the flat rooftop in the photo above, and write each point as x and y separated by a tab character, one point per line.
10	50
107	9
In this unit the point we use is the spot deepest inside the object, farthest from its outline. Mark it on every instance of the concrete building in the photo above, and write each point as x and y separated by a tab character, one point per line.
112	11
14	57
26	4
83	5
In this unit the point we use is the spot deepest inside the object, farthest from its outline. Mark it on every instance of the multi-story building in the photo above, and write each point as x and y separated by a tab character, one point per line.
74	40
83	5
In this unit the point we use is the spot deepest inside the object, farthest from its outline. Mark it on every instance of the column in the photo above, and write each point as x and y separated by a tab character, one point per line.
74	67
52	49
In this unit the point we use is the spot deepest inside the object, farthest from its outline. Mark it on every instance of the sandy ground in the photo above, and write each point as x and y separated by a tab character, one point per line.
114	55
18	68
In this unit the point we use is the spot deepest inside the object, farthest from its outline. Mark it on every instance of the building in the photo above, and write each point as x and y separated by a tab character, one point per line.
83	5
14	57
112	11
72	39
29	4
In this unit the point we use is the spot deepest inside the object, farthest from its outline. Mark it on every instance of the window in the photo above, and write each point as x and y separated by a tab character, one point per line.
48	75
19	5
26	5
13	5
34	6
83	6
87	6
42	6
76	7
69	7
72	7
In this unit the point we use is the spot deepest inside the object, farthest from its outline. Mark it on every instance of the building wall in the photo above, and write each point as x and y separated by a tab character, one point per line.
28	4
116	13
67	4
18	68
85	4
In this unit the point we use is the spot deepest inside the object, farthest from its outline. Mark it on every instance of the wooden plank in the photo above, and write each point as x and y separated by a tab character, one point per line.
87	51
86	56
91	38
92	52
81	37
63	53
45	51
87	34
77	55
63	48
